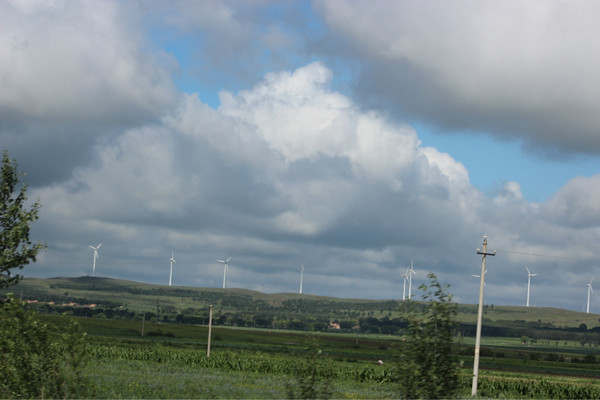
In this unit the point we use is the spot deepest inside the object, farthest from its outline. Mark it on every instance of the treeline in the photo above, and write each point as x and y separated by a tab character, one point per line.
306	322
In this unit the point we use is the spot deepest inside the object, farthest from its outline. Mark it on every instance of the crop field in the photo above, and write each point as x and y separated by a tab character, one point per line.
170	361
150	341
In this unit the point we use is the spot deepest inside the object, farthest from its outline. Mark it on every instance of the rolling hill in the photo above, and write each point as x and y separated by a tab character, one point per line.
141	297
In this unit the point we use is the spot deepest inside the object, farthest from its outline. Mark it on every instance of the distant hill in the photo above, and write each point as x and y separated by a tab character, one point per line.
141	297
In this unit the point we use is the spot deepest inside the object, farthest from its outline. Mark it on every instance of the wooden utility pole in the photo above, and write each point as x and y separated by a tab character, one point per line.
484	253
209	330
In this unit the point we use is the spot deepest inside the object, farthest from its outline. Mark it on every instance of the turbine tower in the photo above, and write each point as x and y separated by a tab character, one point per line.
226	266
411	272
405	276
172	260
301	276
529	275
95	257
590	290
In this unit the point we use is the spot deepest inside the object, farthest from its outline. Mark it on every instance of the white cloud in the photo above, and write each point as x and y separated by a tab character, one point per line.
512	69
291	172
91	62
288	157
576	204
73	73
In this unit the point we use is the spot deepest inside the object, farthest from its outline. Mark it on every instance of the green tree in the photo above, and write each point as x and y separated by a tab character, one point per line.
311	380
38	361
16	250
428	368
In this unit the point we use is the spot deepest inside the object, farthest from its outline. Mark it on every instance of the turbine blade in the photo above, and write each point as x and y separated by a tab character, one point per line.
97	247
221	261
528	271
228	259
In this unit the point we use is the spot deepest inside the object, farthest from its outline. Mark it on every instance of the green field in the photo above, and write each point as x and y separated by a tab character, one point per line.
542	353
141	297
170	361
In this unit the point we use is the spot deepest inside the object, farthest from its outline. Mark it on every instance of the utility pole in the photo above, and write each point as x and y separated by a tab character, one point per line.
484	253
209	330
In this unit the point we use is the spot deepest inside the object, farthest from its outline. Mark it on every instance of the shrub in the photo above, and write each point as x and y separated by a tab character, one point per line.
37	361
309	382
428	369
589	359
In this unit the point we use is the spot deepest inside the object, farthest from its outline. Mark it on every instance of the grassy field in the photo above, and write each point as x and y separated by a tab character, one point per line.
262	364
142	297
170	361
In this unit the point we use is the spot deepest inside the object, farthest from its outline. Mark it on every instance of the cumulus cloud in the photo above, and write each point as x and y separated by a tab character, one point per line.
507	68
286	160
290	170
70	73
576	204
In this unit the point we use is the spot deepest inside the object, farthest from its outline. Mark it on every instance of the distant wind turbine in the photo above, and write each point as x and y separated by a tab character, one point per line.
411	272
479	276
172	261
590	290
226	266
405	276
95	257
529	275
301	276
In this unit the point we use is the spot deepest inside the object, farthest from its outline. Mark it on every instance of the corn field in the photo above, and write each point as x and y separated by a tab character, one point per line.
366	372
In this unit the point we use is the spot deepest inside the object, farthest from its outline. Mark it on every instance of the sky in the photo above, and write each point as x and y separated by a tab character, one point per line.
351	137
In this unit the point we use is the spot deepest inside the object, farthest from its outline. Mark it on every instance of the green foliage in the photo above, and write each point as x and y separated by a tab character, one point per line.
37	361
16	250
309	383
428	368
533	389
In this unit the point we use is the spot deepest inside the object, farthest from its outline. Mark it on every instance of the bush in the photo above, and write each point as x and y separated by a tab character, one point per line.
589	359
37	361
309	382
428	369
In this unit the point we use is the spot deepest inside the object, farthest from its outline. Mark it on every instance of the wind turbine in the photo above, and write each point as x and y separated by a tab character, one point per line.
529	275
226	266
95	257
479	276
405	276
301	276
410	272
172	260
590	290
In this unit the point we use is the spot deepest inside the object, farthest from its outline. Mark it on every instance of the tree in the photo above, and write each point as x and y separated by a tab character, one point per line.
311	380
16	250
428	368
38	361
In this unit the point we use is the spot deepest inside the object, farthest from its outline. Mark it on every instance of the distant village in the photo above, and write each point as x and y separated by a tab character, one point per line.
63	304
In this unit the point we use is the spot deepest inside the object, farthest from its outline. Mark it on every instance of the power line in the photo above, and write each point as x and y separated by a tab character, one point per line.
532	254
